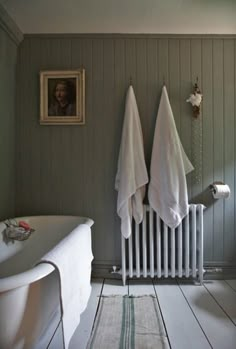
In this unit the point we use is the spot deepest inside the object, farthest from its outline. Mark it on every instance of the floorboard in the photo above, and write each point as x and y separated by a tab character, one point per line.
232	284
82	333
114	287
140	287
224	295
182	327
196	317
219	329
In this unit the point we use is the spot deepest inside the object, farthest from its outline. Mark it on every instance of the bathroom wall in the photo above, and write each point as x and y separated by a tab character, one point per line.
9	39
71	169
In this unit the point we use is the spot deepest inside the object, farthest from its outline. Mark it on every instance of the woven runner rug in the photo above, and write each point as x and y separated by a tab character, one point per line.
128	322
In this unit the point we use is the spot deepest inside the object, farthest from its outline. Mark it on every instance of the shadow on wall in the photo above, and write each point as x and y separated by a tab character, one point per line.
205	198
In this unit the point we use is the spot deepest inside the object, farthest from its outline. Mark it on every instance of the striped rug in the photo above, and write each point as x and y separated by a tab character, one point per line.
128	322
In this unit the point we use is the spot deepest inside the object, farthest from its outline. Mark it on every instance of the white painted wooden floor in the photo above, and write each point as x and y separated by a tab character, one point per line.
195	317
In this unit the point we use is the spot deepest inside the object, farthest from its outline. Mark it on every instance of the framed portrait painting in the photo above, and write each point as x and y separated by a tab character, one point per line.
62	97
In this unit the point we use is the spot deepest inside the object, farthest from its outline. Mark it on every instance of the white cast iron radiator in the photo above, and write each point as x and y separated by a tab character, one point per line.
155	250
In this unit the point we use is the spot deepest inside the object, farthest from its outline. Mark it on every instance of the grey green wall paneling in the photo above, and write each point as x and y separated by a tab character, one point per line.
8	56
71	169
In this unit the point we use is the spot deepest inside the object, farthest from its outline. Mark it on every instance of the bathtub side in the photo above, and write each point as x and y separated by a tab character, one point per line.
30	314
34	298
17	250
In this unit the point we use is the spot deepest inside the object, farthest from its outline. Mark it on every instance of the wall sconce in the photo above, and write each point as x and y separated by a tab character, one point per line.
195	99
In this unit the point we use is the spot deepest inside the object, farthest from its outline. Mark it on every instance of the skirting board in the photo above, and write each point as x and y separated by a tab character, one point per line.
217	271
105	270
213	271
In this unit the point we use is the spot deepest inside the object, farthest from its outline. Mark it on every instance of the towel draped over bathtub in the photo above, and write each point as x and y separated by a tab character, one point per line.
131	176
168	194
72	258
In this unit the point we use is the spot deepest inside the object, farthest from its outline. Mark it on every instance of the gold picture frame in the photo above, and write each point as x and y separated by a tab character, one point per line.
62	97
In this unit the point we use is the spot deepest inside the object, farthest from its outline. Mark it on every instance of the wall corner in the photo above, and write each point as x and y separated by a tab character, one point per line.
10	27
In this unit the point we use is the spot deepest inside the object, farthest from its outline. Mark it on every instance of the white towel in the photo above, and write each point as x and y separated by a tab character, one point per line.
168	194
131	176
72	257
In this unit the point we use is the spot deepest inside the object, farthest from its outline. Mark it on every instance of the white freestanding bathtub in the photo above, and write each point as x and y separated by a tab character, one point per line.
30	313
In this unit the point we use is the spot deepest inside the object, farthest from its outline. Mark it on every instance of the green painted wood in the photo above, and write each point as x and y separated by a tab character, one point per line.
174	80
99	128
83	57
196	124
75	145
163	57
109	223
120	88
8	57
46	136
131	62
71	169
185	109
34	136
153	97
234	194
229	141
207	146
141	87
218	156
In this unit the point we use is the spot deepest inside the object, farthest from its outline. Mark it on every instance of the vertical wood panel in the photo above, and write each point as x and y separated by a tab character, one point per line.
234	194
24	159
46	137
110	162
207	146
98	140
130	62
120	87
229	136
185	109
152	96
196	67
8	51
174	80
34	136
84	133
61	56
141	90
163	59
76	160
218	144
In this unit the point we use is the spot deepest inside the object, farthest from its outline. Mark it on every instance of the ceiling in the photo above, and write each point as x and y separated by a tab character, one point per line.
123	16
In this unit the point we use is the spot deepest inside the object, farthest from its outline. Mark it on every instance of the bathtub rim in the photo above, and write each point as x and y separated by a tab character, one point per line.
40	270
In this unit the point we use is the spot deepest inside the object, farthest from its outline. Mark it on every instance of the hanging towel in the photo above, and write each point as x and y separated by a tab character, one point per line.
72	258
131	176
168	194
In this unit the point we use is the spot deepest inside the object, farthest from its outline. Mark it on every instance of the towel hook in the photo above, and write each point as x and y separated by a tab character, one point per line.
130	80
